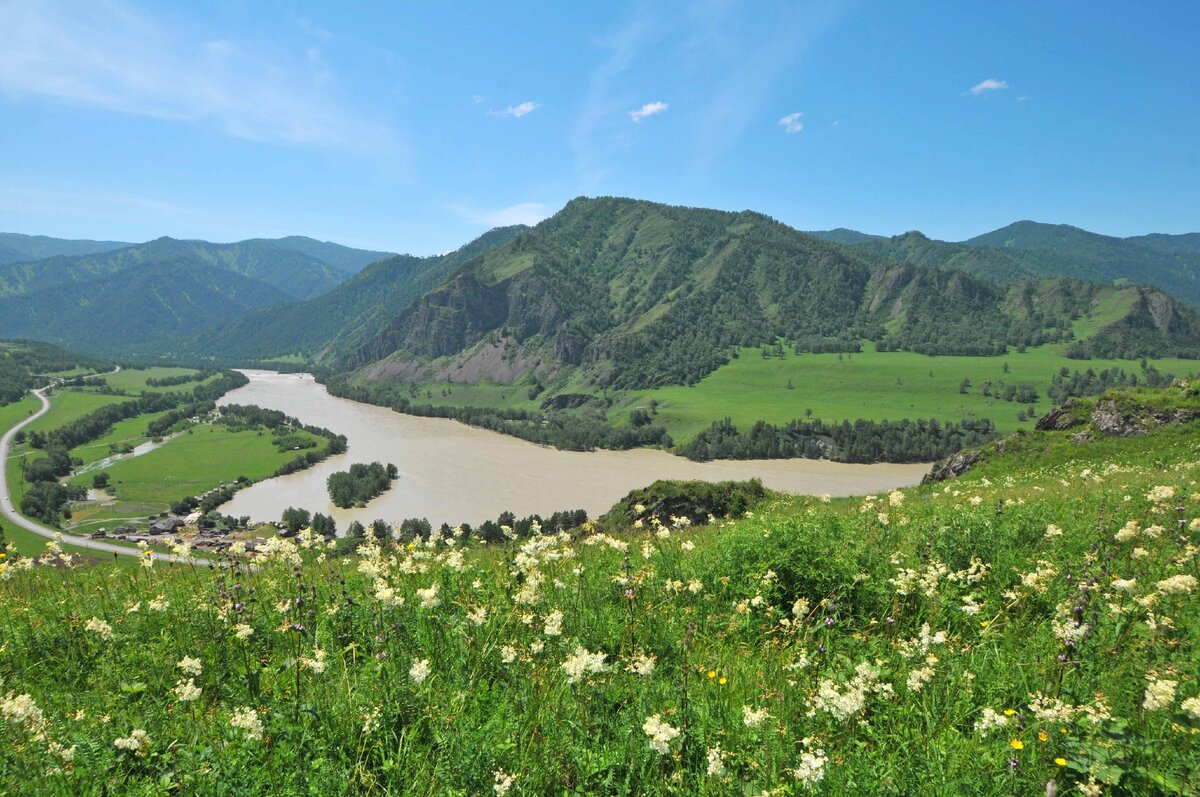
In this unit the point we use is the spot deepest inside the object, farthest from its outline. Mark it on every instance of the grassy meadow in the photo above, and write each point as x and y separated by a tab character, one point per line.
870	385
1033	622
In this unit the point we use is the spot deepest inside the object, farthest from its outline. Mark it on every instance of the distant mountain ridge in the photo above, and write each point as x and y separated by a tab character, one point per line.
17	248
347	315
138	309
1029	249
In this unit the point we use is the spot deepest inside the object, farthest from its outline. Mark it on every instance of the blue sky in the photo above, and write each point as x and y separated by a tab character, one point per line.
414	127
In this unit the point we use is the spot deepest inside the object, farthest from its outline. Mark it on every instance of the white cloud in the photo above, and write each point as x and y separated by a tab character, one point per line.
115	58
991	84
477	98
649	109
791	123
522	213
518	110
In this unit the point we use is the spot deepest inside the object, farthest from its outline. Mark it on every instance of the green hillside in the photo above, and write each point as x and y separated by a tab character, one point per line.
343	258
1063	250
347	315
146	307
1029	627
638	295
23	364
17	248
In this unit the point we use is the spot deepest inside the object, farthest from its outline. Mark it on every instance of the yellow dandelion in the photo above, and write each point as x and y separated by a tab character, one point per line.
722	680
1043	736
1063	731
1008	712
1017	744
1062	762
983	623
712	673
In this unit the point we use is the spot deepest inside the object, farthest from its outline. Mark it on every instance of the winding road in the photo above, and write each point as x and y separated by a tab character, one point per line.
10	512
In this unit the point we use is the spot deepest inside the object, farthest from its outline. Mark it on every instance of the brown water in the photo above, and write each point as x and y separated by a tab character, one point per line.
453	473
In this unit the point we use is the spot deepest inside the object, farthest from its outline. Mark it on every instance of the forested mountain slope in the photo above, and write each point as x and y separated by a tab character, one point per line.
345	316
637	294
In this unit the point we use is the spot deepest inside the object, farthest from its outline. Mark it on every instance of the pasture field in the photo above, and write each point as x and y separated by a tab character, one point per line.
194	462
869	385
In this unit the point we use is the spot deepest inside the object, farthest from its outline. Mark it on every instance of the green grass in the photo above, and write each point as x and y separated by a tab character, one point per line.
871	638
69	405
130	432
134	381
192	463
870	385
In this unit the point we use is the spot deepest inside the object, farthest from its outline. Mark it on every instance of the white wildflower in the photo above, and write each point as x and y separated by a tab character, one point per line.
660	734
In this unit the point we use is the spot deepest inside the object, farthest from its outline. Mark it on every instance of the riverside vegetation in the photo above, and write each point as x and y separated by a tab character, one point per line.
1030	622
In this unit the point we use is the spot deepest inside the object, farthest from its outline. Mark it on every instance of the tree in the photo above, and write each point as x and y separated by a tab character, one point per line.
324	525
294	519
355	530
100	480
380	530
964	386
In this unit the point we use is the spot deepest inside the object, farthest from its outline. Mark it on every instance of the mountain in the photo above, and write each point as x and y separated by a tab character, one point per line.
1171	263
17	248
135	307
635	294
915	248
297	275
345	316
841	235
343	258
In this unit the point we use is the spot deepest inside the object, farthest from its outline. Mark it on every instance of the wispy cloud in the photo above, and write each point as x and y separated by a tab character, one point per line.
984	86
649	109
518	110
791	123
112	57
522	213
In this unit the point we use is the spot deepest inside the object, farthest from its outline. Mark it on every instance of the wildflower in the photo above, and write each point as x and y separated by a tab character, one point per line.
1091	788
918	678
247	720
752	718
1160	494
317	663
23	712
159	604
722	680
1125	584
99	627
186	692
137	742
1052	531
419	671
477	615
895	498
712	674
990	720
1159	694
642	664
695	586
1182	584
811	769
716	762
1191	706
553	623
660	734
242	631
190	666
1017	744
503	782
1062	762
508	654
1043	736
429	597
582	662
1139	553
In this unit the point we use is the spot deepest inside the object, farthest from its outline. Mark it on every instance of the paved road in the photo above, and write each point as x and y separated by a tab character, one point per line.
10	512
